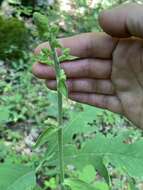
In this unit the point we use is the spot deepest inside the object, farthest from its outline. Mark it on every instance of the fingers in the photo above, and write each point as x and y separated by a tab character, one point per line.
111	103
86	85
123	21
88	45
85	68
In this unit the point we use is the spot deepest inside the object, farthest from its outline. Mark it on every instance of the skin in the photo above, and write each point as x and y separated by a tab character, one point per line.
109	71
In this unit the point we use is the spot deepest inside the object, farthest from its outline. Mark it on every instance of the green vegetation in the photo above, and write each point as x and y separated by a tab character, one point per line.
101	152
14	38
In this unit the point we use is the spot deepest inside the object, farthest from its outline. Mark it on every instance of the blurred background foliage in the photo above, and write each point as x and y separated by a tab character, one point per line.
26	105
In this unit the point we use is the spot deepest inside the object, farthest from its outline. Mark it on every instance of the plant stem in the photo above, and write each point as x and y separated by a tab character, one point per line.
60	117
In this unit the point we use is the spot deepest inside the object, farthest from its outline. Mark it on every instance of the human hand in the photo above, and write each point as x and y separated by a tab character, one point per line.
109	71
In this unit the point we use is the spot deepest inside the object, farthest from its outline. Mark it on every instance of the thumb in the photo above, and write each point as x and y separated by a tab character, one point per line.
123	21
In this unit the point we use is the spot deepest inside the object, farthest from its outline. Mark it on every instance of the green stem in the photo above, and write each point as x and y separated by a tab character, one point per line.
60	117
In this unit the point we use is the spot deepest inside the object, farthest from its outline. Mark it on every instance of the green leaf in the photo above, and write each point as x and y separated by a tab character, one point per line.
54	30
66	51
78	125
88	174
41	21
13	177
101	186
63	58
54	42
76	184
62	83
63	88
4	114
71	58
43	26
47	52
66	55
52	183
45	57
79	158
126	157
44	137
62	75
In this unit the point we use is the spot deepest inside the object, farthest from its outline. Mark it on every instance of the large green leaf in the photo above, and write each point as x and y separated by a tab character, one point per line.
76	184
128	157
79	123
79	158
13	177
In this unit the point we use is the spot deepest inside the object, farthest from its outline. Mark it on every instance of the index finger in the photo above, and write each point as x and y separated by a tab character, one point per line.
87	45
